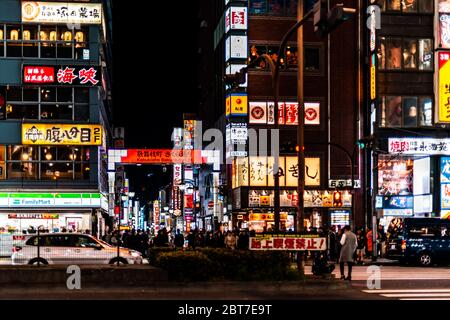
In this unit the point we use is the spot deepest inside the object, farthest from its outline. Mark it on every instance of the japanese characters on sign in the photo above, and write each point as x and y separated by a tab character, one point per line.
443	87
258	171
264	113
177	174
159	156
237	133
427	146
43	216
373	77
288	243
61	12
62	75
156	213
341	183
61	134
236	18
236	104
266	217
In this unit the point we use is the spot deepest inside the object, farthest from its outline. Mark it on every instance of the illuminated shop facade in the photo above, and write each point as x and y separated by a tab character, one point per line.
408	107
55	115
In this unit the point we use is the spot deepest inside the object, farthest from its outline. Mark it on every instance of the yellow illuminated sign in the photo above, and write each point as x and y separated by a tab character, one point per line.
61	134
444	87
236	104
373	78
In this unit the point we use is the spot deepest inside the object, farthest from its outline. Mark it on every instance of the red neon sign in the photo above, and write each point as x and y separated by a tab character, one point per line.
39	75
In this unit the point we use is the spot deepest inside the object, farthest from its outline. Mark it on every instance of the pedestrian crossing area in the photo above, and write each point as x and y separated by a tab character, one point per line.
412	294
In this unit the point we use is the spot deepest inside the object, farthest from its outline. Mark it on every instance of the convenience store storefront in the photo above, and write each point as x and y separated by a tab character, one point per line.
24	213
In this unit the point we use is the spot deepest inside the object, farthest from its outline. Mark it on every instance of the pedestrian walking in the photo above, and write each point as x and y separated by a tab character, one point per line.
332	239
361	249
230	240
381	241
349	244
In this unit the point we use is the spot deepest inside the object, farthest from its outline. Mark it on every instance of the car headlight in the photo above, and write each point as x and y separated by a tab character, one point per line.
135	254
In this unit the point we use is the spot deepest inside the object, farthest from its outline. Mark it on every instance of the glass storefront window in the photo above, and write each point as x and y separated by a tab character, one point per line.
291	58
275	7
312	59
47	103
43	41
409	111
395	176
426	112
22	111
48	95
397	111
426	54
409	5
426	6
393	5
48	163
291	8
258	6
392	111
31	94
410	54
393	54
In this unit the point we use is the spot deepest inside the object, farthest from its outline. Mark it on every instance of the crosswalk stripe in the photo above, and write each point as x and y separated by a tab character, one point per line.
407	291
416	295
425	299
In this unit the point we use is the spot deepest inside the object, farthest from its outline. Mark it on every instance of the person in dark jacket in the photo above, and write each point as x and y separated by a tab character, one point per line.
179	239
243	240
332	239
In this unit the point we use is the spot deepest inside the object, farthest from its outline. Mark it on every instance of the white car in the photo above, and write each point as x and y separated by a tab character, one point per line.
71	248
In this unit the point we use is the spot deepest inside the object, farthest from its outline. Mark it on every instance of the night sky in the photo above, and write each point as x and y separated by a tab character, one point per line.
155	78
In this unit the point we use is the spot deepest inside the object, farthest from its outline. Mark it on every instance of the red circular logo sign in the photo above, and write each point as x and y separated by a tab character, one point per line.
257	113
310	114
238	101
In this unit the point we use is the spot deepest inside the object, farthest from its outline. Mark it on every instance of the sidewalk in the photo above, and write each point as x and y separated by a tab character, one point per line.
367	262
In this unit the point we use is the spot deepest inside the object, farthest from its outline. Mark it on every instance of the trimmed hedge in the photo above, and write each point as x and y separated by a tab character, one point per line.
208	264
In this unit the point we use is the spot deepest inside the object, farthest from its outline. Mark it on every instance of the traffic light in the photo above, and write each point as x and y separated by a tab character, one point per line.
337	199
366	143
326	21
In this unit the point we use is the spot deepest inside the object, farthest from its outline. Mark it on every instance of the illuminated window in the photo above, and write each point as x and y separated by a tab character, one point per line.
14	35
47	163
408	54
1	34
26	35
67	36
43	36
79	36
406	111
407	6
53	36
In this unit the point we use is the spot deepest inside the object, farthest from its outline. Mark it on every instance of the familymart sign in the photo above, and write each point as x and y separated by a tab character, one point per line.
45	200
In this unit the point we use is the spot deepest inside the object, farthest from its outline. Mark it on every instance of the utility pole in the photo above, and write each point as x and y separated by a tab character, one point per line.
301	122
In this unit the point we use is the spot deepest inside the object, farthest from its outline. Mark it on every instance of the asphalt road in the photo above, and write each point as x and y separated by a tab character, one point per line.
396	283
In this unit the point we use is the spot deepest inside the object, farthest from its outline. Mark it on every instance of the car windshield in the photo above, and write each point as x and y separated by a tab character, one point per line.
104	243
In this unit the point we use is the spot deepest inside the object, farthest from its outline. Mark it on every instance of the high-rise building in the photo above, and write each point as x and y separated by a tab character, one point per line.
332	67
55	115
407	105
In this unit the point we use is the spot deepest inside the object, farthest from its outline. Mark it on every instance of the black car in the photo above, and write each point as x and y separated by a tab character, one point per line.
421	240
